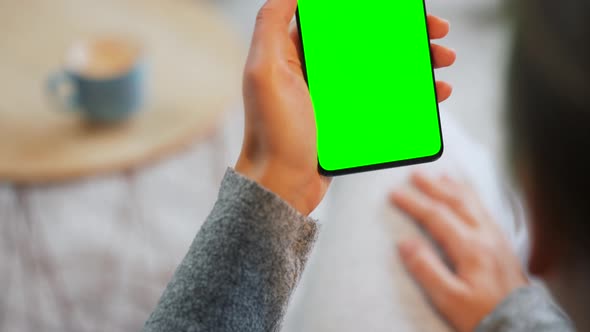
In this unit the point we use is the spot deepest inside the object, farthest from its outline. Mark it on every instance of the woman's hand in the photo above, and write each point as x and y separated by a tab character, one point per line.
485	267
279	149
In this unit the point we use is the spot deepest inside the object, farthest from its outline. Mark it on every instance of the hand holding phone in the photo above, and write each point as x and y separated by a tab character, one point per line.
279	149
382	109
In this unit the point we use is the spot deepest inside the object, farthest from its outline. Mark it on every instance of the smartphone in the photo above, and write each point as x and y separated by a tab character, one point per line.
369	71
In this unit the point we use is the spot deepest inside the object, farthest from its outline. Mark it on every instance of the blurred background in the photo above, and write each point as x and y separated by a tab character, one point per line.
93	219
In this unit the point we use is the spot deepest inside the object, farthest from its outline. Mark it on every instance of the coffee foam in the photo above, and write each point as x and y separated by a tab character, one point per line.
102	58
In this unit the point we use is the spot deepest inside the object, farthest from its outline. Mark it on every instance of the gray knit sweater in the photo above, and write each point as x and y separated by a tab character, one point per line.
248	257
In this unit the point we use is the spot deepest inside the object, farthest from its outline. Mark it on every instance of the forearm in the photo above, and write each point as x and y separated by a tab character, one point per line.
526	309
242	266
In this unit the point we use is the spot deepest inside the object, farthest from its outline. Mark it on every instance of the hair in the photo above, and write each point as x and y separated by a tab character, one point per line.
549	112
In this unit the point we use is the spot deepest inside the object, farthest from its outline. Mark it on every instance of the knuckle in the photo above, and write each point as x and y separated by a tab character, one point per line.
481	254
449	296
461	204
455	297
264	13
457	241
451	245
457	202
257	73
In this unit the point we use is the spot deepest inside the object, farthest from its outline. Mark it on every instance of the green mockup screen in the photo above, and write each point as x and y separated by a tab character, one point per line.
370	78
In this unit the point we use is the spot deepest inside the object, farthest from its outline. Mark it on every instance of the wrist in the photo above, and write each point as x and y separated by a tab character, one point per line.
283	182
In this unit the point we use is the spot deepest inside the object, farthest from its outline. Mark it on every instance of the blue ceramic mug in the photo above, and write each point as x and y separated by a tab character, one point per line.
103	80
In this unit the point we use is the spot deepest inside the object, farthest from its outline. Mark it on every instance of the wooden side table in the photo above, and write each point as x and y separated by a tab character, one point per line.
195	63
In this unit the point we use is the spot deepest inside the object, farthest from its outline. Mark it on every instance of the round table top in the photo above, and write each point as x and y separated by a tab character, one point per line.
194	62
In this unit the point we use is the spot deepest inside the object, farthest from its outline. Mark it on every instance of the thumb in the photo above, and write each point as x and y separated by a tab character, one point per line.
274	17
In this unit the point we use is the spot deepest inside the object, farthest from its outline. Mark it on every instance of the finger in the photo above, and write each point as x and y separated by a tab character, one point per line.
294	35
426	267
449	195
436	219
443	91
471	197
437	27
279	12
442	56
273	20
455	184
